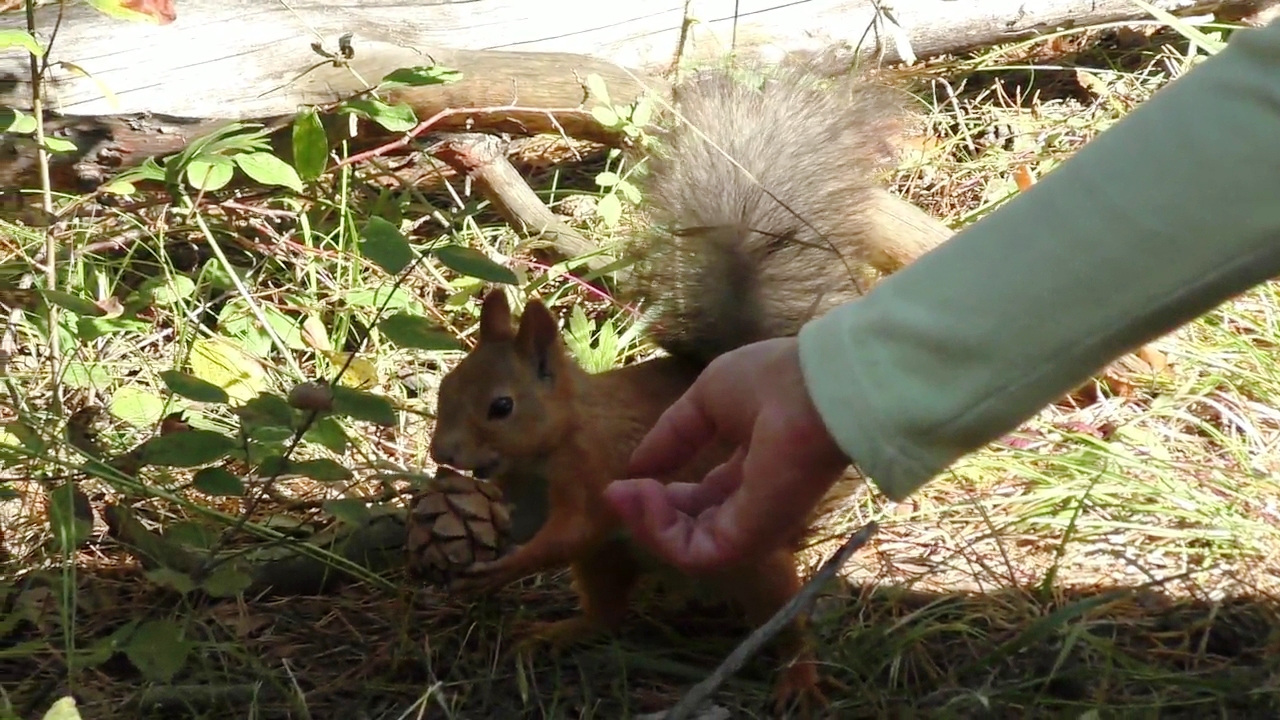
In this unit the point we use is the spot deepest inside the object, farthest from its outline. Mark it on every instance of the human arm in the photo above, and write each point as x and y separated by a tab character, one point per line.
1159	219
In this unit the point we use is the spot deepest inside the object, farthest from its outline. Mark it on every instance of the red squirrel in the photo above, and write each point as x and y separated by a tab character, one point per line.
737	250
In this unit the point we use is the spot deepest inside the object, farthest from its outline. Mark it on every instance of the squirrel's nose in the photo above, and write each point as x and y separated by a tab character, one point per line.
440	454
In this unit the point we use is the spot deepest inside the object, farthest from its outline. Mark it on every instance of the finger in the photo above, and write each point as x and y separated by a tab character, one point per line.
676	437
692	498
659	527
783	479
753	502
644	506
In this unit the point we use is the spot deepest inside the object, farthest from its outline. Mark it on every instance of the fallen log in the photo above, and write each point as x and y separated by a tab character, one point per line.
238	59
125	91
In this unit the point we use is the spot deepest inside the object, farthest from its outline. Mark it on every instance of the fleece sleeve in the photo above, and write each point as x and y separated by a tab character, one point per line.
1170	212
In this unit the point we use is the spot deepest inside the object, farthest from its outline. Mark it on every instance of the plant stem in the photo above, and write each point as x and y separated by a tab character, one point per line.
46	192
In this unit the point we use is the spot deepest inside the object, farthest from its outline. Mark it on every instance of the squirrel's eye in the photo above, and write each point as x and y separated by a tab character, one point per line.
501	407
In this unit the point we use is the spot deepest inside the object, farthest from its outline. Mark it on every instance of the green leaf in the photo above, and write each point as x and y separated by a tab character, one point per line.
383	244
148	170
59	145
119	187
595	84
159	650
605	116
72	303
188	449
191	533
328	433
420	76
227	580
16	122
610	210
415	331
193	388
310	144
63	708
289	329
365	406
642	112
352	511
30	439
270	434
631	192
170	578
87	375
473	263
269	170
218	482
138	407
384	296
22	39
70	527
608	178
265	410
89	328
210	173
322	469
396	118
273	465
168	290
103	648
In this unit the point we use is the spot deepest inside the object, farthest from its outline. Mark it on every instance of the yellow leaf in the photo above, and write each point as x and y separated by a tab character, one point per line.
224	365
361	374
75	69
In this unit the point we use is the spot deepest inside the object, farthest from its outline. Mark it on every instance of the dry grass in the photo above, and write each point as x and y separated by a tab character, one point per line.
1114	558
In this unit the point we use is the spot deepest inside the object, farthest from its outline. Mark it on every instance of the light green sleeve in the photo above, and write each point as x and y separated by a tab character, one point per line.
1167	214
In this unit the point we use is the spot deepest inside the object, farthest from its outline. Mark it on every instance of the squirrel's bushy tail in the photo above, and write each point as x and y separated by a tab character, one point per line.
758	202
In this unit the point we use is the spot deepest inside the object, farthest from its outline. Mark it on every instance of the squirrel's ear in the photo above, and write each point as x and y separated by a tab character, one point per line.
495	317
537	335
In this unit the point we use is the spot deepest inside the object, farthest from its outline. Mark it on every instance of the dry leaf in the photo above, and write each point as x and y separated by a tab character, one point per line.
1158	361
1023	177
315	335
1094	84
111	307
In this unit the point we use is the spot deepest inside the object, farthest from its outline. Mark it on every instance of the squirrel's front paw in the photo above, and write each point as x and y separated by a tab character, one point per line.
485	576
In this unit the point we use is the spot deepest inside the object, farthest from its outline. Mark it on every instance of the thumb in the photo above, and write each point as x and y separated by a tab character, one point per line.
676	437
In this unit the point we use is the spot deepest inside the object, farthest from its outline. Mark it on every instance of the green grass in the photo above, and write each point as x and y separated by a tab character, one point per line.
1114	558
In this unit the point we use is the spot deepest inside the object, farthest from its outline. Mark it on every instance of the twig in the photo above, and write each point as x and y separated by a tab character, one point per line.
425	125
483	158
802	601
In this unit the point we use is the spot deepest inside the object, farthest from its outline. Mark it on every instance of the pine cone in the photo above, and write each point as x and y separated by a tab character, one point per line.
455	522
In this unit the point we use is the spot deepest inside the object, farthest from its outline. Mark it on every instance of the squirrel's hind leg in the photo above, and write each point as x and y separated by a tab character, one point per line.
762	588
603	580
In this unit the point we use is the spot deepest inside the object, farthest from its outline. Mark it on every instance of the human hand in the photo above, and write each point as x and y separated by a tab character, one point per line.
755	399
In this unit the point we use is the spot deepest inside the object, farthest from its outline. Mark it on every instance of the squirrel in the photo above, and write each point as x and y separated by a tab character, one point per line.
758	220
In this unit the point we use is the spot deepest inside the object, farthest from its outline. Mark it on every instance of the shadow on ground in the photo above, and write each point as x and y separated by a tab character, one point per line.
359	653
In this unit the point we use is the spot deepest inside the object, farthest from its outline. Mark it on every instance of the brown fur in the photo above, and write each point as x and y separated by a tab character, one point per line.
578	431
725	265
751	245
